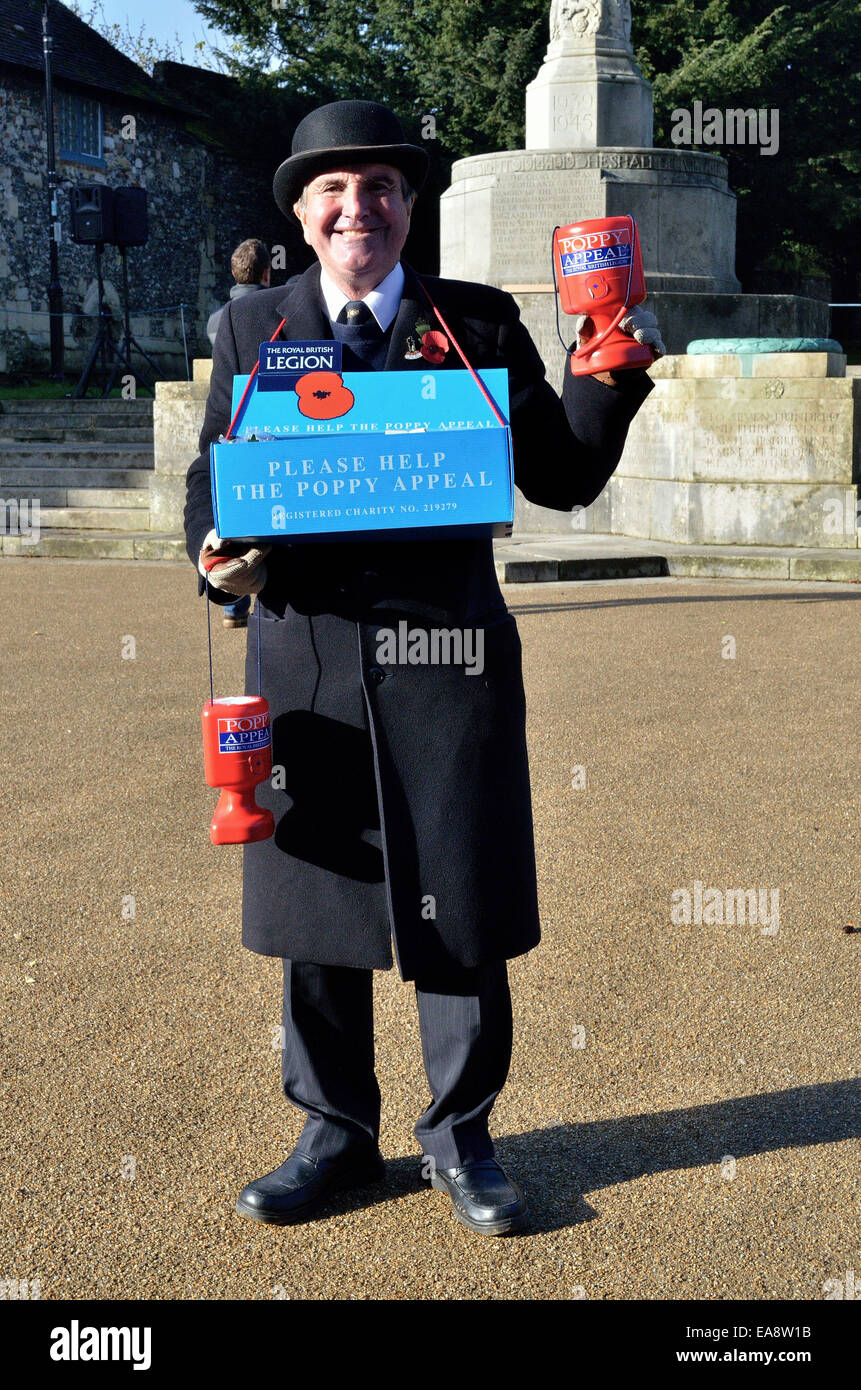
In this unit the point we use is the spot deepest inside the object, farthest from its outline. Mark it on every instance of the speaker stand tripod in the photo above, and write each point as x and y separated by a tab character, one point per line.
104	348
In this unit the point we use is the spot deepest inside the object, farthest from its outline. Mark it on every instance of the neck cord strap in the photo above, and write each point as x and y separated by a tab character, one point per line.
238	410
476	378
209	645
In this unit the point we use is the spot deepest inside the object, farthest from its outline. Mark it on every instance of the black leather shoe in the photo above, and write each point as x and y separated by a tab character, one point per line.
483	1197
300	1186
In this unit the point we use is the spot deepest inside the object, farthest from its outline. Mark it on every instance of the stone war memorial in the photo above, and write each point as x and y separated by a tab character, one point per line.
751	438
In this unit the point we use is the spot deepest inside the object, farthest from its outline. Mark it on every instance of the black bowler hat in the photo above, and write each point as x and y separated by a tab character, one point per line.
344	133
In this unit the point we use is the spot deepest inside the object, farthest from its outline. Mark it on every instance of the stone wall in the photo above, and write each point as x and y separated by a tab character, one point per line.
177	419
733	451
201	205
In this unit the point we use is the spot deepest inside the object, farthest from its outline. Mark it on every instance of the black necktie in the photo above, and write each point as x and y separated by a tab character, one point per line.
354	312
366	346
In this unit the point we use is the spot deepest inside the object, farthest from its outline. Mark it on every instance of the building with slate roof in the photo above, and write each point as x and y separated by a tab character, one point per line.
115	124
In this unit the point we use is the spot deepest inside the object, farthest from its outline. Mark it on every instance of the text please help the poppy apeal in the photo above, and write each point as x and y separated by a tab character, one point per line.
319	454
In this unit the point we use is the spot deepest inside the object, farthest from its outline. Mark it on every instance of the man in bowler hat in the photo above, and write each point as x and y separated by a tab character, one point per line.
404	826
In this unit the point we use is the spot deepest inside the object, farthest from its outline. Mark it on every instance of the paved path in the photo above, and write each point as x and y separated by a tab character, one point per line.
703	1142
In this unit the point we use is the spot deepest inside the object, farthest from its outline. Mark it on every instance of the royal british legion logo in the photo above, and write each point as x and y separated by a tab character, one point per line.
282	364
609	250
247	734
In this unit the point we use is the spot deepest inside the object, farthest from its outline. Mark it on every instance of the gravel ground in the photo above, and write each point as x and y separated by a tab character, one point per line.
681	1110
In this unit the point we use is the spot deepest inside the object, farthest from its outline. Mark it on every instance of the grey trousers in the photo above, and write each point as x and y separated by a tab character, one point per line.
327	1065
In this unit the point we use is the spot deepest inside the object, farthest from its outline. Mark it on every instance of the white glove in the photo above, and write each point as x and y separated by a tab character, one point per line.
643	325
639	322
240	574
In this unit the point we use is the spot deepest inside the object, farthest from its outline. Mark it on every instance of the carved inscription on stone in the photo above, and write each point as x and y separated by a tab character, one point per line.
715	417
573	111
784	442
527	161
523	253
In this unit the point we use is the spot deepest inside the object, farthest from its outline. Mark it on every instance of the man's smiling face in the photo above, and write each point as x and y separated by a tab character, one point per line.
357	221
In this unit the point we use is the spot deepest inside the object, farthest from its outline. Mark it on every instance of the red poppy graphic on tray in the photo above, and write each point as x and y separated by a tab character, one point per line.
435	345
323	395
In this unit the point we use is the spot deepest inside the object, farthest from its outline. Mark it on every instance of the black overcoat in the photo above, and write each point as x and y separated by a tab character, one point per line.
405	813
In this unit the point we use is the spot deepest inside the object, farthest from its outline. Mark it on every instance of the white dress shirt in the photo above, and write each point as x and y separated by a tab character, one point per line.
383	300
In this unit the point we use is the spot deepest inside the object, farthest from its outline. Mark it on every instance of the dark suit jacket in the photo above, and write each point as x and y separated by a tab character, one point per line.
407	783
564	451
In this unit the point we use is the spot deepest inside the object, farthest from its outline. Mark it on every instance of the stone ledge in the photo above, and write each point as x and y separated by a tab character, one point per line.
196	390
522	558
526	559
680	366
95	545
597	567
843	567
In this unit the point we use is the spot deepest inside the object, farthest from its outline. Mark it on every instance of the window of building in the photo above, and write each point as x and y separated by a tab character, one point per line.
80	128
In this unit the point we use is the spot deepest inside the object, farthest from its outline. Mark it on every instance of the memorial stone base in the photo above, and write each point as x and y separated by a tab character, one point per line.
728	451
682	319
498	215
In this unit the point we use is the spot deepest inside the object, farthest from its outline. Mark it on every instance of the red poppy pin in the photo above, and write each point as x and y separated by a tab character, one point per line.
434	346
428	343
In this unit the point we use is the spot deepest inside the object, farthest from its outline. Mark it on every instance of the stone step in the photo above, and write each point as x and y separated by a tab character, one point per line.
534	558
86	518
113	432
66	413
100	545
98	409
35	480
86	497
28	433
99	455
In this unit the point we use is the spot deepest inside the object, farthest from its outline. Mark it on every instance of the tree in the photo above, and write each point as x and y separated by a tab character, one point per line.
466	63
798	210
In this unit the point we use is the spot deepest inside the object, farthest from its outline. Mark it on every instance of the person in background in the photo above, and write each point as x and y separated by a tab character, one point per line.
250	266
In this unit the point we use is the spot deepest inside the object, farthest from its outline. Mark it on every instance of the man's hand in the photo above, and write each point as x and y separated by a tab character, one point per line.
237	574
639	322
643	326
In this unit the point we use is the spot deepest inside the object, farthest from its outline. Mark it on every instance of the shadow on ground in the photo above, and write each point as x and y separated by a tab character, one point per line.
817	596
557	1165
